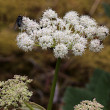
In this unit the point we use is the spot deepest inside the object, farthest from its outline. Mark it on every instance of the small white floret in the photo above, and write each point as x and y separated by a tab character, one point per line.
78	49
46	41
60	51
102	32
87	21
50	14
90	32
95	45
72	17
25	42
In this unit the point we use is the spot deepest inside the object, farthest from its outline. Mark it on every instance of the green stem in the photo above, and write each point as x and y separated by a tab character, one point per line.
29	106
54	84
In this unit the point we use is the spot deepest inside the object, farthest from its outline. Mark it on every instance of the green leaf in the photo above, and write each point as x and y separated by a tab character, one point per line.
94	80
33	105
98	87
106	9
74	96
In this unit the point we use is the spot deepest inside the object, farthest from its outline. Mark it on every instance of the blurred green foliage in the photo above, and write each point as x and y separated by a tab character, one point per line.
98	87
107	8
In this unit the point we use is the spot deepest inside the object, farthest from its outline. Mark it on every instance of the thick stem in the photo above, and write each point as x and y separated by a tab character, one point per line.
54	84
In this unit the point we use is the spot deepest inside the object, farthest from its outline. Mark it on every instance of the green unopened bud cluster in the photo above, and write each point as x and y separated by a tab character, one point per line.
14	92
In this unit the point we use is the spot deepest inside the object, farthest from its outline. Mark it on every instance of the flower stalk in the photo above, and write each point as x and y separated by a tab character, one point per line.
29	106
54	84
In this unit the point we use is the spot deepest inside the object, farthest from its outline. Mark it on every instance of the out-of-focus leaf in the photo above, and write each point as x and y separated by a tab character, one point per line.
94	80
73	96
100	85
33	105
106	8
99	88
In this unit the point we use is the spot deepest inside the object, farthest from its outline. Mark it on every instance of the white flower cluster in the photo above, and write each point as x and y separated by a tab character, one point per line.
89	105
25	42
70	33
14	92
